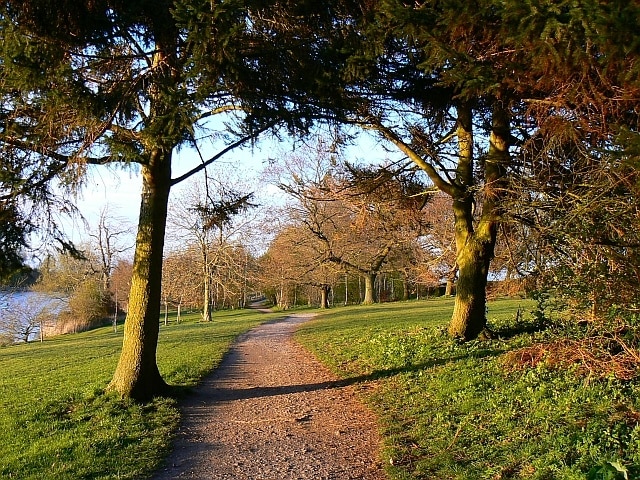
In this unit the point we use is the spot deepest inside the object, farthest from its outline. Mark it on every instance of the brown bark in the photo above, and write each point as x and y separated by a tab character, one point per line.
405	287
324	296
451	280
369	291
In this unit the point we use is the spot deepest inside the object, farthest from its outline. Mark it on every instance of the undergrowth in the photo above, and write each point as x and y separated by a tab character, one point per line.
483	409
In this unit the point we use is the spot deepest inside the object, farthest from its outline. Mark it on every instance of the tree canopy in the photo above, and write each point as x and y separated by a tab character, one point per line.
471	92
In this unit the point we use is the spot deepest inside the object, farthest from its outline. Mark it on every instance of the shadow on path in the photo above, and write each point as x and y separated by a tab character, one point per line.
272	411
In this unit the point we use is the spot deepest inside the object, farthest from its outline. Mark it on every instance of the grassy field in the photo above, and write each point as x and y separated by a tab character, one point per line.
55	423
447	411
451	411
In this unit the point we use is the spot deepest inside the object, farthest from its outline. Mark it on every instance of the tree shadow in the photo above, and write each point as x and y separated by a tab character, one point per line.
510	331
232	394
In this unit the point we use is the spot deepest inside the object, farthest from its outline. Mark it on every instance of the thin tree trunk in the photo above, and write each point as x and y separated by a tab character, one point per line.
405	287
243	298
166	312
137	374
115	315
346	289
206	299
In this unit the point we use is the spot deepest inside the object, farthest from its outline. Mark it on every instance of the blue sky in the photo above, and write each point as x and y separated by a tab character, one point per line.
119	189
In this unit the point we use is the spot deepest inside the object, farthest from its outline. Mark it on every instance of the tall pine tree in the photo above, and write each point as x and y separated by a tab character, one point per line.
461	88
112	82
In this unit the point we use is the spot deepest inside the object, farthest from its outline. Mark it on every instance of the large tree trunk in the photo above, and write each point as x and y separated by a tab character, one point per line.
324	296
475	247
369	290
469	312
137	374
405	287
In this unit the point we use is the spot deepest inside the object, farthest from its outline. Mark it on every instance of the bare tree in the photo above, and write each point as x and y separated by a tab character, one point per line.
77	281
181	281
296	258
210	215
109	240
439	244
120	287
358	216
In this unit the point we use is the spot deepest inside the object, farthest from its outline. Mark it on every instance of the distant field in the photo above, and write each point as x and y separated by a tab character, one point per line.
450	411
56	424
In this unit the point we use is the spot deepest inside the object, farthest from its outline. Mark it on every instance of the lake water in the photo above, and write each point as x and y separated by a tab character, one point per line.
20	309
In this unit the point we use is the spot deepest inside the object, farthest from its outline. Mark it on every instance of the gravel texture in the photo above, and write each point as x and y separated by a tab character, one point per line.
272	412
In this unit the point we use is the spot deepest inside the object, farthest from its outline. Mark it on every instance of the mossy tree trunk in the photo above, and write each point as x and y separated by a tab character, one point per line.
469	312
475	246
137	375
475	236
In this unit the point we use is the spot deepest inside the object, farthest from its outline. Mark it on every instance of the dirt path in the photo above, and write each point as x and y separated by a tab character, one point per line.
270	412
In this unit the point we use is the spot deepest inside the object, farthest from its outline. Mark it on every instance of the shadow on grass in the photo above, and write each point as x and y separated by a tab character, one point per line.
510	331
231	394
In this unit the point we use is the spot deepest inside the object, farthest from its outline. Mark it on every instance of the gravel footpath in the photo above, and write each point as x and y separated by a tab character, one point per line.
272	412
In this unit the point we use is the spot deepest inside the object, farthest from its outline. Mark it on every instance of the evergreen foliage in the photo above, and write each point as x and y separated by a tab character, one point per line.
115	83
551	86
434	78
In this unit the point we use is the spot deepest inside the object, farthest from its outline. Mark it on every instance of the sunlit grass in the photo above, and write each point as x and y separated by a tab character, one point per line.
447	411
451	411
55	422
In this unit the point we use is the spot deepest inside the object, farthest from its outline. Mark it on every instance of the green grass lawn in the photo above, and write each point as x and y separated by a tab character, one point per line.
55	422
447	411
451	411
